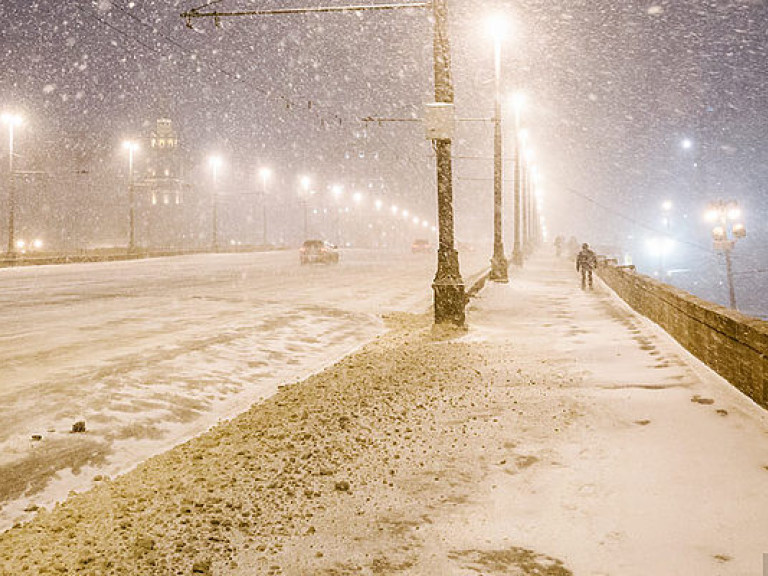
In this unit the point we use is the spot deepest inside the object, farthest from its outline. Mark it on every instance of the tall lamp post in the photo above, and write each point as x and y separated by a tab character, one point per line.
337	191
666	209
11	120
306	183
531	207
499	264
520	137
527	200
265	174
215	163
727	231
537	216
132	147
448	285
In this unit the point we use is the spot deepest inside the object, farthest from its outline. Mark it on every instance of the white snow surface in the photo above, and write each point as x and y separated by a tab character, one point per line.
653	450
151	353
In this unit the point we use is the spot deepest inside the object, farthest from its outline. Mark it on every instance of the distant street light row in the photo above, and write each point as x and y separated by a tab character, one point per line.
528	225
12	121
526	178
448	285
216	163
305	193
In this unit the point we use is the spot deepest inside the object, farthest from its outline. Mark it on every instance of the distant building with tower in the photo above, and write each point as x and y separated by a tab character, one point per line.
164	166
165	215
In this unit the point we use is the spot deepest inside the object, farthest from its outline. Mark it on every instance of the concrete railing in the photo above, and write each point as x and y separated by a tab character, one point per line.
732	344
114	255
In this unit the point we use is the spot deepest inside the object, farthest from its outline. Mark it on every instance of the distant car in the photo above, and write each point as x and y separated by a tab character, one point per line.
318	251
465	247
421	246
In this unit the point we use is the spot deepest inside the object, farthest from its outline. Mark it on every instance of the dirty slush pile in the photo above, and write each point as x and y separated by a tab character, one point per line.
343	473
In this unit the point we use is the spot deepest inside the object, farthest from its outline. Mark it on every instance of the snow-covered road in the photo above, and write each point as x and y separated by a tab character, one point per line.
149	353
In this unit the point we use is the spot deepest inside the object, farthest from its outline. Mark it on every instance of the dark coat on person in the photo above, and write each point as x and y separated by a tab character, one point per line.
586	260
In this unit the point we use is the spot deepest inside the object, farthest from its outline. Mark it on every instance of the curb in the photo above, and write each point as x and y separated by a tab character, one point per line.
478	283
118	257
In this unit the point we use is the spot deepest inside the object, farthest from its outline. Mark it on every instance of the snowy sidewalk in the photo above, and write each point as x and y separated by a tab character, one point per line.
563	434
654	465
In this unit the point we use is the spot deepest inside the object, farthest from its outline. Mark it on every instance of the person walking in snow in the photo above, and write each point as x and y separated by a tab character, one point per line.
559	241
586	262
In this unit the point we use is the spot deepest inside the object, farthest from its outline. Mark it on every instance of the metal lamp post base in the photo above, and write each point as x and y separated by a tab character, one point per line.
499	268
450	299
448	287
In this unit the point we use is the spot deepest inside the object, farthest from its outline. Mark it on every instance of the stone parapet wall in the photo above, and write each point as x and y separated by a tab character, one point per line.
732	344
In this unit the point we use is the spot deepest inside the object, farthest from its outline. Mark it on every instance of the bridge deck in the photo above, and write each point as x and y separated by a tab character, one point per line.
656	464
563	434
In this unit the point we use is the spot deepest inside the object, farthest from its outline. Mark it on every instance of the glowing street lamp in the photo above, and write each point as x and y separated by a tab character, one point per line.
215	162
659	248
12	121
132	147
265	174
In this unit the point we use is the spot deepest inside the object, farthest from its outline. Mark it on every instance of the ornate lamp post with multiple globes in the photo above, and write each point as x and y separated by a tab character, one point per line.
728	229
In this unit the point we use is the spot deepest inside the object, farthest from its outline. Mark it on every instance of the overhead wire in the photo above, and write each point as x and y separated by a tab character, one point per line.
288	101
385	147
326	119
206	5
233	75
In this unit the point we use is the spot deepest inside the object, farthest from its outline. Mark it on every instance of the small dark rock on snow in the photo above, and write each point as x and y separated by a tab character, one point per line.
342	486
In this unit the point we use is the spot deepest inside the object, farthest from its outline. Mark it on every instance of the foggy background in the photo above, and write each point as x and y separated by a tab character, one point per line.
613	88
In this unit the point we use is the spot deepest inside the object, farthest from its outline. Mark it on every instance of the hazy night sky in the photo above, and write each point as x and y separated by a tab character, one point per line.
613	85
